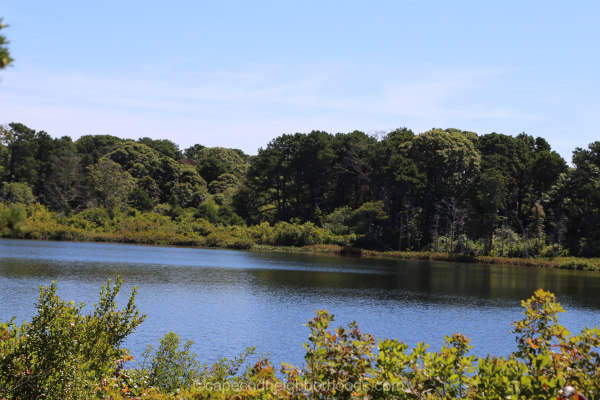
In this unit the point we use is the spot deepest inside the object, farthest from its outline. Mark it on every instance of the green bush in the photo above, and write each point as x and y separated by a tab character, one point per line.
553	250
12	219
63	353
172	366
241	243
287	234
339	222
580	265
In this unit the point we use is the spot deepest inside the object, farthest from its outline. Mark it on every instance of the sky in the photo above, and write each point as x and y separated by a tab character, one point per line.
240	73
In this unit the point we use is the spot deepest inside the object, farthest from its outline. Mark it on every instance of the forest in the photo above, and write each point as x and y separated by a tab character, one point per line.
445	191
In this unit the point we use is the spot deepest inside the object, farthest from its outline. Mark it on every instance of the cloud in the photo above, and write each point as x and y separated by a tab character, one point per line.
261	99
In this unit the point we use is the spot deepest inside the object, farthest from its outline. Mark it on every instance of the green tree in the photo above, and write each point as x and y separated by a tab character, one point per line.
269	180
292	175
178	184
192	153
208	210
399	183
16	192
515	174
450	164
6	137
23	164
63	189
583	206
165	147
111	184
212	162
556	201
351	170
136	158
369	220
140	200
311	166
92	147
339	221
5	58
224	188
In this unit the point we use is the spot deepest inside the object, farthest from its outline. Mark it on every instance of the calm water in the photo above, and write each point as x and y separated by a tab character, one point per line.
227	300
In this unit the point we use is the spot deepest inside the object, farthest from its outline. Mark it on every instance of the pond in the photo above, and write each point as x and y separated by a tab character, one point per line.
227	300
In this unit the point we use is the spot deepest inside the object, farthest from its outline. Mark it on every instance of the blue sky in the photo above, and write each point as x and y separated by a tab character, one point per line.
240	73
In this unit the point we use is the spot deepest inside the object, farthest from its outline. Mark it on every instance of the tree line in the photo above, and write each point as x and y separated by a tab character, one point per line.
442	190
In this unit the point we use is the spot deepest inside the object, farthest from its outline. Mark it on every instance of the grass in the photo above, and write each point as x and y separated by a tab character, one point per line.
573	263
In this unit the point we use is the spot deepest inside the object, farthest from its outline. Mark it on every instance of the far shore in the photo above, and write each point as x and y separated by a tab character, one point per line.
571	263
557	262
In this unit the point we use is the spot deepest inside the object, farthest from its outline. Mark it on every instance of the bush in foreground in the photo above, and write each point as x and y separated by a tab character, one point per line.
63	354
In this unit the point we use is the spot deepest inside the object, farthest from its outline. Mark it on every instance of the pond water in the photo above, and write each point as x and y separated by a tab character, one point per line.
227	300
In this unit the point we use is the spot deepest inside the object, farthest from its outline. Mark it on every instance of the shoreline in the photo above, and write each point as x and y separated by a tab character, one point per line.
570	263
555	263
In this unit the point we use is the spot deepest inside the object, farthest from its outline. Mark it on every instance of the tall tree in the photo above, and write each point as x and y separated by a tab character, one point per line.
269	180
111	184
395	179
29	154
312	167
450	163
92	147
292	175
63	189
6	137
212	162
352	169
584	203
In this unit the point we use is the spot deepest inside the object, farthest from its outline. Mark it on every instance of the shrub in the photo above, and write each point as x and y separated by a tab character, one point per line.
172	366
12	219
263	233
242	243
339	221
62	353
287	234
553	250
581	265
98	216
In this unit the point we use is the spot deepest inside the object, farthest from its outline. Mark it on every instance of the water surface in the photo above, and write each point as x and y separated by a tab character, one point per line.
228	300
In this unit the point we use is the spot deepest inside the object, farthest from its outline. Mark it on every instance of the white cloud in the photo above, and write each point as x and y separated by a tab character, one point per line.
249	105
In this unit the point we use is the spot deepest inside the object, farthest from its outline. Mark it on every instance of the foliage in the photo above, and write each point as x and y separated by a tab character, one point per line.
111	184
441	190
5	58
337	363
339	221
164	146
171	367
12	219
63	353
579	265
212	162
16	192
